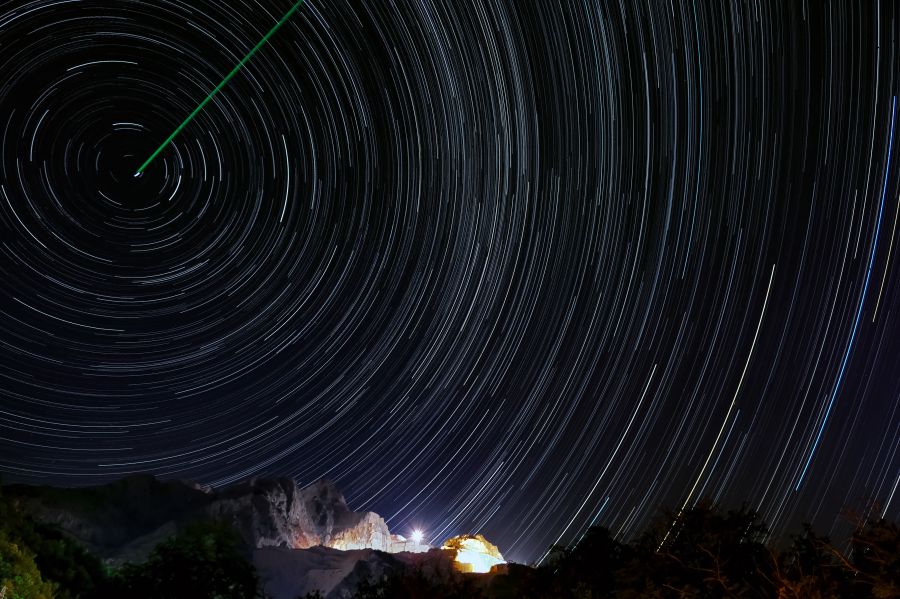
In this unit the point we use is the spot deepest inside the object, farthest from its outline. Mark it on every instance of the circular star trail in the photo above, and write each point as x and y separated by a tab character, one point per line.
503	267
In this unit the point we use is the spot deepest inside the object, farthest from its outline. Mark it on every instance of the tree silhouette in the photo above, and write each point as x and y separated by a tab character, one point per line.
875	555
19	575
701	551
201	563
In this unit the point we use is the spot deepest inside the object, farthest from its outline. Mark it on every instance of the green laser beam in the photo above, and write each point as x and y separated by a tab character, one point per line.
225	81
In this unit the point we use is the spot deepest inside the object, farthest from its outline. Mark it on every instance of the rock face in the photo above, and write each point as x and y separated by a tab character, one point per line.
276	513
474	553
124	521
266	512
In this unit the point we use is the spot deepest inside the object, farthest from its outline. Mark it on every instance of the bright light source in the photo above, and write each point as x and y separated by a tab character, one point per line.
417	536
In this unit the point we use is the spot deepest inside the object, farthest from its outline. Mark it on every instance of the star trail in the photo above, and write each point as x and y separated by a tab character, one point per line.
495	266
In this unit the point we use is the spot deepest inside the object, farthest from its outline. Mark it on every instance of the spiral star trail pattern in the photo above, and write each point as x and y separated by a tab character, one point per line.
500	266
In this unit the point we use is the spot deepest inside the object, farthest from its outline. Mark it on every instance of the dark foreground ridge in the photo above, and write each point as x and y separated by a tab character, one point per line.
143	538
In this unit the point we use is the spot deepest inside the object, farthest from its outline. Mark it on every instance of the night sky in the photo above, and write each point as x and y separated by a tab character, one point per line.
500	266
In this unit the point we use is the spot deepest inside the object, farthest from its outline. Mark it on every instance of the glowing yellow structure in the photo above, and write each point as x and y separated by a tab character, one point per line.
474	553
